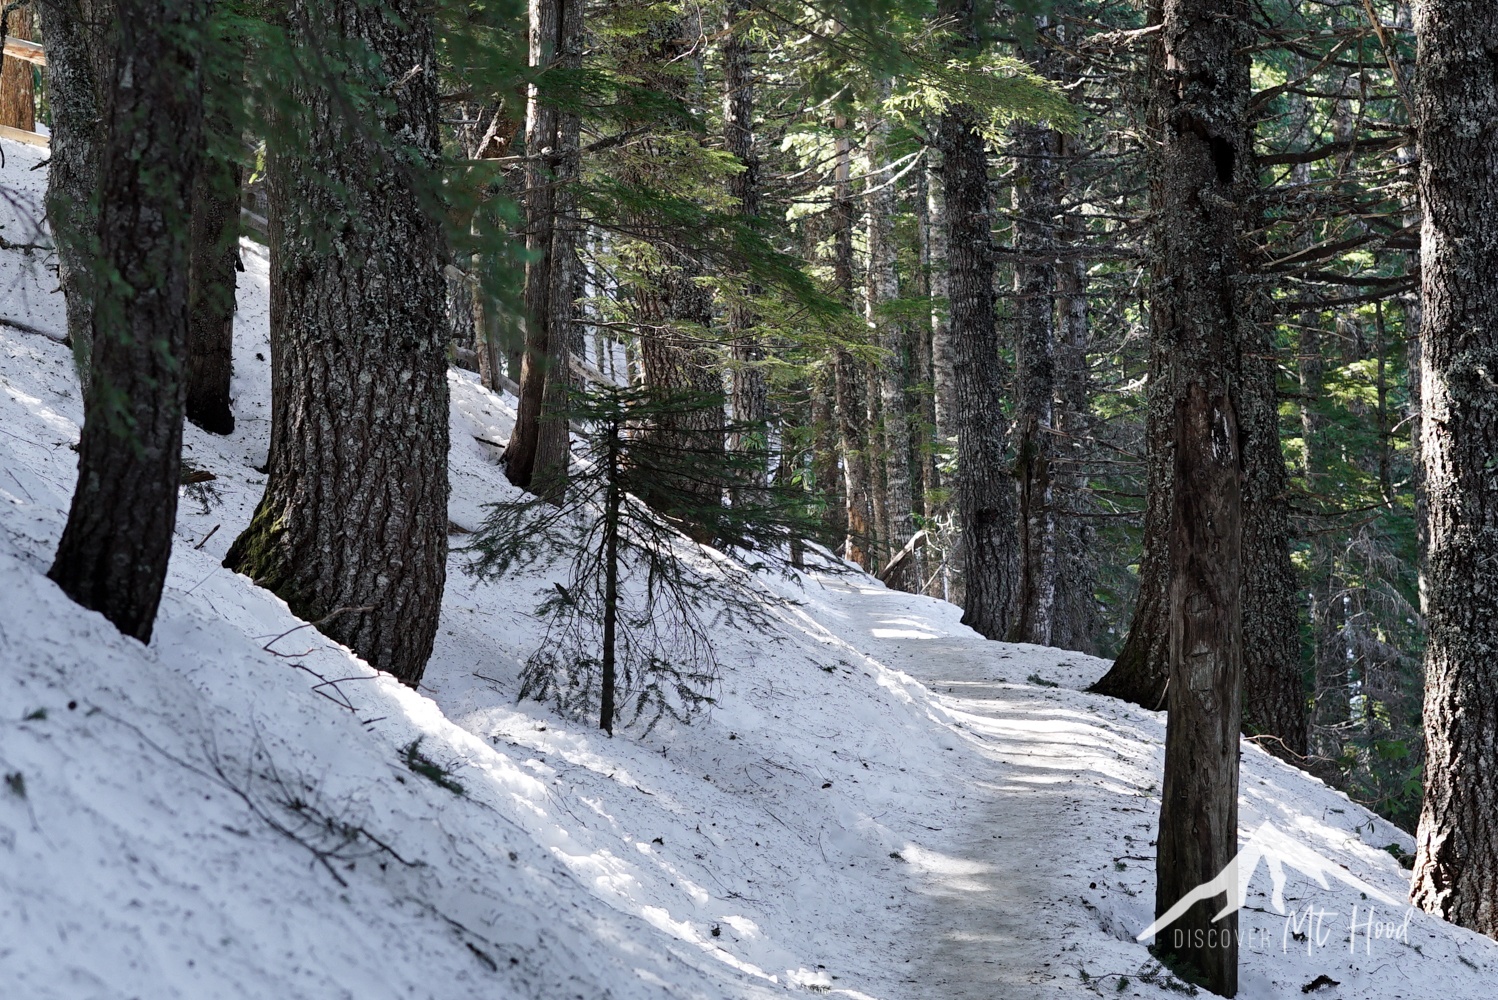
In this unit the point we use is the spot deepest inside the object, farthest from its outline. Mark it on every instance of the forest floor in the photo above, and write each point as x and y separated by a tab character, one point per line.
880	805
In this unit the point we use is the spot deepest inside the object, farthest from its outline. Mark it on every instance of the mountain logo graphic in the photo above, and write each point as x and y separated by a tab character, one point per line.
1278	851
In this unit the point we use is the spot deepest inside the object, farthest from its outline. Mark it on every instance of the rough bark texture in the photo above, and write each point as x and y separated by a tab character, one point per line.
749	400
536	455
985	490
1456	855
215	254
1078	620
882	288
80	47
352	530
118	539
943	381
1200	87
1274	702
17	97
850	401
1037	209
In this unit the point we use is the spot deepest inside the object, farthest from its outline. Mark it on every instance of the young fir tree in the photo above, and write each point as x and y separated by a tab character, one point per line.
629	634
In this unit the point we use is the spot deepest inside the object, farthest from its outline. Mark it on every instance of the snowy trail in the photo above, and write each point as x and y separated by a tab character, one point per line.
988	893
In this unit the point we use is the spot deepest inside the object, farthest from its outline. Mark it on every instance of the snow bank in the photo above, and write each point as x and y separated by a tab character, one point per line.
883	804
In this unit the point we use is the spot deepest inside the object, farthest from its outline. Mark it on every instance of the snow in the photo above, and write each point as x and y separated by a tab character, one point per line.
882	804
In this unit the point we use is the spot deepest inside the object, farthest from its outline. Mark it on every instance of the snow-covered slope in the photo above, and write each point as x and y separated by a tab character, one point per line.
882	805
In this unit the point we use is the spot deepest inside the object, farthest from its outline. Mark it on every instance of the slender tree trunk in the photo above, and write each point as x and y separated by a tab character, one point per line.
612	499
943	381
80	47
215	250
536	455
824	470
352	530
850	399
1077	621
1200	87
749	401
1456	855
1037	209
118	539
881	290
985	491
17	97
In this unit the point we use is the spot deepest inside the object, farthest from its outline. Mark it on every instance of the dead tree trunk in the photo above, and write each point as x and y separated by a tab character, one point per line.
352	530
1456	855
118	539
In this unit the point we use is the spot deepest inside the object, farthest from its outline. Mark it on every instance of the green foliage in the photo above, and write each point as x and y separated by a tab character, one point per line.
421	764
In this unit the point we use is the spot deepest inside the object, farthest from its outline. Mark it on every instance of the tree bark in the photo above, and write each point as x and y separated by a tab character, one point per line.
1274	701
985	491
1200	87
17	96
749	400
882	288
536	455
850	400
1456	855
1037	209
1077	621
80	47
118	539
352	530
215	251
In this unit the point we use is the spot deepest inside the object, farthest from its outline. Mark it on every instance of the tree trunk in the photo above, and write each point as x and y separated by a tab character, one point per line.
17	97
118	539
849	397
80	48
881	290
749	401
352	530
1077	622
536	456
943	381
215	250
1200	87
1456	857
1274	702
1037	209
985	491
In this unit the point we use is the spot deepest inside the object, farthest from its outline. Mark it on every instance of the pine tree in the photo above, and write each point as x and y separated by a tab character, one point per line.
118	538
352	529
1200	87
1456	860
